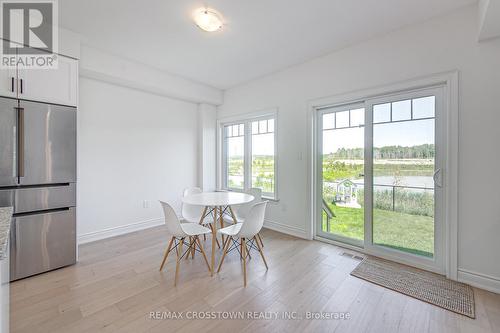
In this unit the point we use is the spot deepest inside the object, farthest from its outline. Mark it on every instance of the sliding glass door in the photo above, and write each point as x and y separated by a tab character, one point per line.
380	176
342	182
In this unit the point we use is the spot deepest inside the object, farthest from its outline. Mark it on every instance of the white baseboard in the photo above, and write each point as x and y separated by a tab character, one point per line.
479	280
285	229
120	230
125	229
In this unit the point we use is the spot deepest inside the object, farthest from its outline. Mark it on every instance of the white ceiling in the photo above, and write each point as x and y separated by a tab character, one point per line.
489	25
259	36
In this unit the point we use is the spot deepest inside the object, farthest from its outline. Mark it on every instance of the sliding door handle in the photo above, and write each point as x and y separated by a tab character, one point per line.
20	142
436	177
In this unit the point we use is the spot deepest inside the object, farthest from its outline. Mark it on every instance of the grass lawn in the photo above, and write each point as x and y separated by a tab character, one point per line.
409	233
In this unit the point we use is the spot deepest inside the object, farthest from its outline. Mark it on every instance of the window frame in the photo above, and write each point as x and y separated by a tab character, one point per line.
247	120
224	156
439	263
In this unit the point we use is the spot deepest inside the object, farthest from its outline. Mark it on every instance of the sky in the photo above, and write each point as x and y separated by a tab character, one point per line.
406	133
410	133
262	144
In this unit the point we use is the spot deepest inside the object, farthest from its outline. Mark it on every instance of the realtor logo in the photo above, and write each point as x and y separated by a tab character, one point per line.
29	34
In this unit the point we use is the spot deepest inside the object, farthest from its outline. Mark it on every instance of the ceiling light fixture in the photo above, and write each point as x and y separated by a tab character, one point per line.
208	19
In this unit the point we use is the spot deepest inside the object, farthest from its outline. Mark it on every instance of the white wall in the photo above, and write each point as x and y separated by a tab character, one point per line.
138	139
442	44
107	67
69	43
132	146
207	122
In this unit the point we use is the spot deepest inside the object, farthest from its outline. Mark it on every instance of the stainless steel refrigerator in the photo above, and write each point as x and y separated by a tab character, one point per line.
38	178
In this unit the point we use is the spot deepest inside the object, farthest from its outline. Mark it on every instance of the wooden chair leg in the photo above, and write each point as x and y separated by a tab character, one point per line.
235	220
181	244
197	241
216	239
226	247
243	248
221	221
201	223
179	253
203	215
260	240
247	251
227	239
261	253
214	225
166	253
190	249
224	243
193	249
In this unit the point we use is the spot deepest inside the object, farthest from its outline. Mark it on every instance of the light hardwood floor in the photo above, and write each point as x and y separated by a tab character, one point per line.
116	284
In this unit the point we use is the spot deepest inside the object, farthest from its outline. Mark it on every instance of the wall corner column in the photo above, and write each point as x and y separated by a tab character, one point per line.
207	130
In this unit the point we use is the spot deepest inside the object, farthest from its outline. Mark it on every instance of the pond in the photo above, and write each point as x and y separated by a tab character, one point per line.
412	181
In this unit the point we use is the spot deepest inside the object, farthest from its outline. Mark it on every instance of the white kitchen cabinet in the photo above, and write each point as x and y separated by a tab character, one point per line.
8	82
58	86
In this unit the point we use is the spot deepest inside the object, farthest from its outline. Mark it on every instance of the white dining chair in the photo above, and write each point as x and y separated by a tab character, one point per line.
181	231
241	211
193	213
243	235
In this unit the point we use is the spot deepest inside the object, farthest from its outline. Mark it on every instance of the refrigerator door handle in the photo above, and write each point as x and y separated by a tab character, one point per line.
13	234
20	142
12	84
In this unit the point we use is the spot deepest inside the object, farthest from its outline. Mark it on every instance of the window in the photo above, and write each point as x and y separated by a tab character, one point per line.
408	109
263	155
235	148
248	155
378	179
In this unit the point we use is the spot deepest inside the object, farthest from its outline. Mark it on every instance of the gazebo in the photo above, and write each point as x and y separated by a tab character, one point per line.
346	190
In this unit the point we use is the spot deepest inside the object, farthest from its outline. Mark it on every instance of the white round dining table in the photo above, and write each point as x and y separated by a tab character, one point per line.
212	199
217	203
